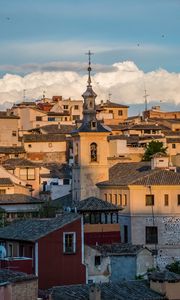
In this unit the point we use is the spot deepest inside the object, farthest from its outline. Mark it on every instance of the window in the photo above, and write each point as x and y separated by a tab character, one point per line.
30	146
173	146
93	125
93	150
65	106
27	174
178	199
65	181
149	200
120	112
2	191
111	111
14	133
105	197
110	198
69	242
97	260
166	199
51	119
38	118
151	235
76	117
125	200
120	199
76	107
115	199
10	249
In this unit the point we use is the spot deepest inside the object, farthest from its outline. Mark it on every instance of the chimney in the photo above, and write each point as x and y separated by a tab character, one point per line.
94	292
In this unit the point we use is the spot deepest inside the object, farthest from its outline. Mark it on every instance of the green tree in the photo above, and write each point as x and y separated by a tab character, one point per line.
152	148
174	267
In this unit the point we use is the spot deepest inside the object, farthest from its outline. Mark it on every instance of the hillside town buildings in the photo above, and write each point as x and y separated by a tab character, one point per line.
73	178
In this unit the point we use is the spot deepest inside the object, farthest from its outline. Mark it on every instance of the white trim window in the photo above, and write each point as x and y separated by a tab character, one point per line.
69	242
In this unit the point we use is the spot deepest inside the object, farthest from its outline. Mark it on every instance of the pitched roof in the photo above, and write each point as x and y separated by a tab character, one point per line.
55	129
34	229
139	174
164	276
94	204
18	162
43	138
14	276
6	182
57	171
86	127
110	104
12	150
18	199
119	249
132	290
7	115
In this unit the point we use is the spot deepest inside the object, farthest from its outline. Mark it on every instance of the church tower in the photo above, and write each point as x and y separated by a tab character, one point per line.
90	148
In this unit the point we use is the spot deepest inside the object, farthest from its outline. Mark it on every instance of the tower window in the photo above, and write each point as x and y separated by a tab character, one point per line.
93	150
93	125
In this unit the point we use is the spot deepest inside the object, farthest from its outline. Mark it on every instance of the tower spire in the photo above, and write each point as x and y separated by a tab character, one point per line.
89	53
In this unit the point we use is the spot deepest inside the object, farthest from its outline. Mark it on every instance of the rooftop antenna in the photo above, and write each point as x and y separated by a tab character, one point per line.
145	98
89	67
44	95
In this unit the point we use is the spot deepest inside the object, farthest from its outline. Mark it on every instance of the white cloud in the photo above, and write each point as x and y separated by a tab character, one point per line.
124	80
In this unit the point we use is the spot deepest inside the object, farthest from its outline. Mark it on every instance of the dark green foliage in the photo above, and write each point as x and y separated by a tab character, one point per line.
174	267
152	148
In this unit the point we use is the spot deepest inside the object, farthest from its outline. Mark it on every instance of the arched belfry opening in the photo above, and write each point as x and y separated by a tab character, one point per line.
93	152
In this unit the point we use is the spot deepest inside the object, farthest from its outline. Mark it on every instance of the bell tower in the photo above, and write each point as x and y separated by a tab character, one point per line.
90	148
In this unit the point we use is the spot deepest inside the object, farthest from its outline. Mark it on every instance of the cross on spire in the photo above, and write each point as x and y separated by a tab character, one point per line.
89	68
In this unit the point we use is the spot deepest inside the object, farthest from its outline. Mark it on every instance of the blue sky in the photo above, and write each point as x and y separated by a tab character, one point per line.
44	31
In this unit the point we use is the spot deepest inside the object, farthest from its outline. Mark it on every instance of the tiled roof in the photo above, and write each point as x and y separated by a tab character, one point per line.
132	290
6	182
18	162
55	129
6	115
119	249
86	127
110	104
164	276
57	171
139	174
12	150
43	138
94	204
34	229
64	201
18	199
14	276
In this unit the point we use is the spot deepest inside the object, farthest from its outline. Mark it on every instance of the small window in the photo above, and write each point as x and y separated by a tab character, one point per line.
76	107
166	200
149	200
76	117
120	199
115	199
2	191
65	181
29	146
69	242
178	199
110	198
105	197
125	200
120	112
151	235
51	119
93	124
97	260
174	146
111	111
38	118
65	106
14	133
93	150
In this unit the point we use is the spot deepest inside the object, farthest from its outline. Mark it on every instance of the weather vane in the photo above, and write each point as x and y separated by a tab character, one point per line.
89	68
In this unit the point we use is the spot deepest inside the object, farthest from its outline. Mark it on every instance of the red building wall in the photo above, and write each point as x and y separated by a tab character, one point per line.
55	267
